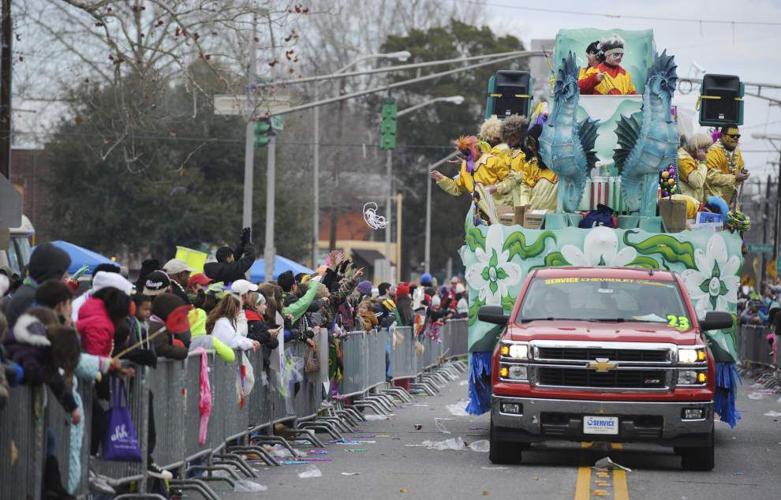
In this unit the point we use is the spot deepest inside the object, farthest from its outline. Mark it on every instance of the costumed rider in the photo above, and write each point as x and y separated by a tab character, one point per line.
484	164
513	134
726	169
592	56
537	186
608	77
691	170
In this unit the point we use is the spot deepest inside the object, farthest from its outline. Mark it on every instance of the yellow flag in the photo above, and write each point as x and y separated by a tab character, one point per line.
192	258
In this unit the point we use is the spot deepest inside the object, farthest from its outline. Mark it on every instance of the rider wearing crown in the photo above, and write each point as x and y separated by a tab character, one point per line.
608	77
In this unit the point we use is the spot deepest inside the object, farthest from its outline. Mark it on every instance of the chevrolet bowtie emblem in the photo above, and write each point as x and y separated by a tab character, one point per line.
602	365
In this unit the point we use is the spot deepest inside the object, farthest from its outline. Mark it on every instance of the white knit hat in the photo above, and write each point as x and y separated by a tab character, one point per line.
105	279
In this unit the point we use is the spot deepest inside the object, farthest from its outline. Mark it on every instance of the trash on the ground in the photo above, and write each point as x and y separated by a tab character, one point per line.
382	435
420	405
482	446
418	427
365	436
773	413
367	441
485	467
738	473
247	486
350	473
317	451
280	451
344	442
456	444
486	493
440	426
355	450
293	462
315	459
403	490
377	417
310	472
600	493
756	395
606	462
458	409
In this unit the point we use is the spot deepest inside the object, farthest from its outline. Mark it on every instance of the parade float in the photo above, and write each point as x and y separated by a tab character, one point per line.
610	150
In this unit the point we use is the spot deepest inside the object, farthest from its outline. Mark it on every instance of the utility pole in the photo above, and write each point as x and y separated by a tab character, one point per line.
249	133
269	250
765	220
5	91
316	186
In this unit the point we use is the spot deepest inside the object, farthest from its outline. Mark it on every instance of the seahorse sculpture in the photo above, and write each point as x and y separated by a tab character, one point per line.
566	146
648	140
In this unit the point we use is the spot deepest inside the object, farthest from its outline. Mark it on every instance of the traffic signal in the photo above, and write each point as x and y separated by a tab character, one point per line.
388	125
262	133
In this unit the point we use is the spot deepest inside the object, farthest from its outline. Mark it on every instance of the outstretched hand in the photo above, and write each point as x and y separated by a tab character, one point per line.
436	175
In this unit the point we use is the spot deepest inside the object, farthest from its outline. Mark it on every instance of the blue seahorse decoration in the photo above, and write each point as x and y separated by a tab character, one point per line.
566	146
648	140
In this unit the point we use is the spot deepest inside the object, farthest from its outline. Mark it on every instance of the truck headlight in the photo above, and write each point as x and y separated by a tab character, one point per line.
692	377
514	372
515	351
691	356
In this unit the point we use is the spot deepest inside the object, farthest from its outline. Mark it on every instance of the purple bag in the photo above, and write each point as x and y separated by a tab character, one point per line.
120	442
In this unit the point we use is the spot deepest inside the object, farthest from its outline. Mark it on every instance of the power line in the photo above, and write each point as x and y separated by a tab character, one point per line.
626	16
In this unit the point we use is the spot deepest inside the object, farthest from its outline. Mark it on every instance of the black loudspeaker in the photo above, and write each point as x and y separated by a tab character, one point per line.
721	100
509	94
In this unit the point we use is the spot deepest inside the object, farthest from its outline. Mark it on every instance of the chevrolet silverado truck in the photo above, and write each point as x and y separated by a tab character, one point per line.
611	354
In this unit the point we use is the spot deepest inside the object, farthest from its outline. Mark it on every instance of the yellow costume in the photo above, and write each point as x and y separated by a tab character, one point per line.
516	161
616	81
723	165
534	186
692	175
491	168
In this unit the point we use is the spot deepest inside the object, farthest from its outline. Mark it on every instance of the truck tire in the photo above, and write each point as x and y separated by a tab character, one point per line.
504	452
700	459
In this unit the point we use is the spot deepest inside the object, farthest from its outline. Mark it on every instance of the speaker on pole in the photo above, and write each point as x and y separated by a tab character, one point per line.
509	94
721	100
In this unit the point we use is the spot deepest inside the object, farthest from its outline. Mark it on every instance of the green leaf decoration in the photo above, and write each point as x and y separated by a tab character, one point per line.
645	262
475	239
473	308
501	274
515	243
555	259
671	250
508	303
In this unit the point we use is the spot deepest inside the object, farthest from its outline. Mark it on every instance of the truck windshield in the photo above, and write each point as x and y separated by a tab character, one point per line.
600	299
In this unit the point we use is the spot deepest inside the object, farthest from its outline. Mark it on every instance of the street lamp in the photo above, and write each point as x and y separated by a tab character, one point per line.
457	100
398	56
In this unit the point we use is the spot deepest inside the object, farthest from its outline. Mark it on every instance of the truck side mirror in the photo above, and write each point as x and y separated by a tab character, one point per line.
492	314
716	320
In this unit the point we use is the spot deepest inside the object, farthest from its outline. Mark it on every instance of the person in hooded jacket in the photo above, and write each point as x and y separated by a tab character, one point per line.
232	264
404	305
101	314
46	262
100	279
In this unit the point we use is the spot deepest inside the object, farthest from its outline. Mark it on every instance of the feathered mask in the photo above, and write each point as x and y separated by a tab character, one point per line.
469	149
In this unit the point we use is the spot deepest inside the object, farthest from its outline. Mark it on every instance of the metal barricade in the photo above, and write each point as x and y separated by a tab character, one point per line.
456	338
259	404
21	443
191	421
236	421
355	367
403	362
375	357
223	395
168	385
138	404
753	346
58	423
306	401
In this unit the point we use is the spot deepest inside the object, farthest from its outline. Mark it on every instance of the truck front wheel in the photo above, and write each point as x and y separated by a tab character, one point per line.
504	452
702	459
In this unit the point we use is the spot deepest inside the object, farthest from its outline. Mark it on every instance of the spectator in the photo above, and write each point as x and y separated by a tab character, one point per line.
147	267
222	323
100	278
167	345
179	273
227	268
102	312
57	296
156	282
46	262
197	286
404	305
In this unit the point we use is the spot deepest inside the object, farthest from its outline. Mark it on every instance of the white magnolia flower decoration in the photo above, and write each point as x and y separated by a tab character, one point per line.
714	284
493	273
599	249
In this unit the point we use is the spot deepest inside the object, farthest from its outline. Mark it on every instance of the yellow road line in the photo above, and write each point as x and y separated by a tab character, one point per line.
583	485
620	487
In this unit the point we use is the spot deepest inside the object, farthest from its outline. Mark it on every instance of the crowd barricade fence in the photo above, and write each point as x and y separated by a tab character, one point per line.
753	346
173	388
455	338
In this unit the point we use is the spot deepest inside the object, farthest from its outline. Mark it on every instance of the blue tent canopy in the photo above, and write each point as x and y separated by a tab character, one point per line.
81	256
257	273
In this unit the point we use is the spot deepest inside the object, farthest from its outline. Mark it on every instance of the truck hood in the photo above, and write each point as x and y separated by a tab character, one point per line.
601	332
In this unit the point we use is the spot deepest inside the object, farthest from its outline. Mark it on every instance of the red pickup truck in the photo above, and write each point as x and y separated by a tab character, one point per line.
608	354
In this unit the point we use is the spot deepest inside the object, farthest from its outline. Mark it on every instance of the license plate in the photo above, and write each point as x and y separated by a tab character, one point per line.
600	425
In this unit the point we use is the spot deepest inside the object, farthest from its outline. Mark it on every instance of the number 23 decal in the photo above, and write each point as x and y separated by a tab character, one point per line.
680	323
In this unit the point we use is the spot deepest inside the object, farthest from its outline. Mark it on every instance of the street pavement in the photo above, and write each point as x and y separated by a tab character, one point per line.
389	461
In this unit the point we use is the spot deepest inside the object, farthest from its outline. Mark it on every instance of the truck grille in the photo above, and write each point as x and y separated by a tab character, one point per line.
590	354
581	377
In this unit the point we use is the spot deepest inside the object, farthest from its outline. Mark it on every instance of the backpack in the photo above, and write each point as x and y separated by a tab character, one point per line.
602	216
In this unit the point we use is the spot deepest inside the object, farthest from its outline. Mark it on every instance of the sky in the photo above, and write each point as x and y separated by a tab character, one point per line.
750	51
